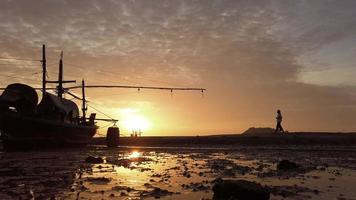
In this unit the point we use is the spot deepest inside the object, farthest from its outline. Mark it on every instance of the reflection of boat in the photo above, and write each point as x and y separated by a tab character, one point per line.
55	121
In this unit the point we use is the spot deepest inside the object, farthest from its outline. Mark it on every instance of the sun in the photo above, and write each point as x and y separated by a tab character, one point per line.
136	123
134	120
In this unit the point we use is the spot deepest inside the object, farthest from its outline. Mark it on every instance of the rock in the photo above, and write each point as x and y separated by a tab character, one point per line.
239	189
82	188
28	195
217	180
121	162
158	192
94	160
220	164
291	191
123	194
227	167
101	180
157	175
287	165
195	186
148	185
122	188
186	174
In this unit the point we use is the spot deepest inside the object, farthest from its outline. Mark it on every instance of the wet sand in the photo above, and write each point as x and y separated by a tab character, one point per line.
326	172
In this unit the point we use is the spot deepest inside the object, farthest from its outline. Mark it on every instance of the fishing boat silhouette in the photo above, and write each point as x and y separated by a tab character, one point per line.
55	121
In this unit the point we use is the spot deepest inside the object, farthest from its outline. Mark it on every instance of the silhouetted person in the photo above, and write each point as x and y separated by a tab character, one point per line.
279	118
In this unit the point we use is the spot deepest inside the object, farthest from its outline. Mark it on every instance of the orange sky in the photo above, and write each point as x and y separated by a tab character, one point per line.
254	57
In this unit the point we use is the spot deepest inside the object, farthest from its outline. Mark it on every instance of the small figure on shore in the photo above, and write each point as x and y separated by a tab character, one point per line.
279	118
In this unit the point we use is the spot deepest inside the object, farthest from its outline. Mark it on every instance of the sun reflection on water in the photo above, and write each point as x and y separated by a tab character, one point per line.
135	154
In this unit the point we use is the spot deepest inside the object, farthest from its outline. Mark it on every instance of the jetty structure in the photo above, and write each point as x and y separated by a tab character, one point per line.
54	121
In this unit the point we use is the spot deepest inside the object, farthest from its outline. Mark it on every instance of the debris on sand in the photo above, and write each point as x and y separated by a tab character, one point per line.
196	186
156	193
220	164
295	190
148	185
121	162
287	165
186	174
101	180
125	162
321	168
227	167
94	160
239	189
123	188
140	160
123	194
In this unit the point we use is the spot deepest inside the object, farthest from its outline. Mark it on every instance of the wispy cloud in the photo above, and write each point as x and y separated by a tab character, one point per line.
250	54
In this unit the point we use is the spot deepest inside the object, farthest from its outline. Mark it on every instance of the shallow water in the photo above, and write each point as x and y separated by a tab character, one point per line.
175	173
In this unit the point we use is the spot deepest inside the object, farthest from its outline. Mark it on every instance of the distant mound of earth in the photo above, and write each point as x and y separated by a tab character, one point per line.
259	131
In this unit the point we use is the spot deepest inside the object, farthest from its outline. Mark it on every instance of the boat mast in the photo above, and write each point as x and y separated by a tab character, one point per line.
44	70
84	108
60	77
60	89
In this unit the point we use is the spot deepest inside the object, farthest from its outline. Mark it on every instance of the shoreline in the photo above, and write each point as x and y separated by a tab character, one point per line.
298	139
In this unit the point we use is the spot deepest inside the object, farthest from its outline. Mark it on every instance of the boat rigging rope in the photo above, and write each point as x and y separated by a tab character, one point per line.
105	126
76	97
100	112
14	58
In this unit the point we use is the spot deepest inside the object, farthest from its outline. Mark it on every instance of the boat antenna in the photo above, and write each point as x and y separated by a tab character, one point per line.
44	70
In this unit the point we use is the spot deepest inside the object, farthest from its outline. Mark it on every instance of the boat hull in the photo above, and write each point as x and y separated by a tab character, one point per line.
18	132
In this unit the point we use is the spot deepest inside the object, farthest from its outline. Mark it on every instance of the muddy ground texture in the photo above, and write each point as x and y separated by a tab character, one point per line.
98	172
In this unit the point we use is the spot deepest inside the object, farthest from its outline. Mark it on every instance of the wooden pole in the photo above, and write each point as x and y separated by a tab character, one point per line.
140	87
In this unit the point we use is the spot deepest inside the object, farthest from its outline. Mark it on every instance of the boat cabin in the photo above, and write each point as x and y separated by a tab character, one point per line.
55	108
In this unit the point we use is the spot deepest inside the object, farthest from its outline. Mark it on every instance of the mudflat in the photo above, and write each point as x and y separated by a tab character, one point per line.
177	172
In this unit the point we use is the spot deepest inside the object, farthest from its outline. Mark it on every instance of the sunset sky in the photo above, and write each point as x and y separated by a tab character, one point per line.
253	57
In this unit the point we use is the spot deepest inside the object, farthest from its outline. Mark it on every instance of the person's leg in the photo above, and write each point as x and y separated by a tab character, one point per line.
281	128
277	127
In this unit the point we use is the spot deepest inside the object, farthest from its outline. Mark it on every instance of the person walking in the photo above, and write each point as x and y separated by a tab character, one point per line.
279	128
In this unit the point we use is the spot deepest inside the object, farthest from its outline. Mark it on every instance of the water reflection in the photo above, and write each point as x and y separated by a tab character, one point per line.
135	154
140	174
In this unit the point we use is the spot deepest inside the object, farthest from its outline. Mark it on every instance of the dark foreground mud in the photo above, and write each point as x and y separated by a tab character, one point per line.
98	172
